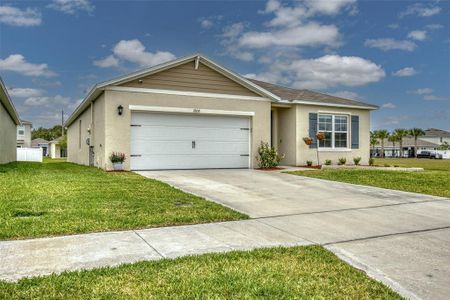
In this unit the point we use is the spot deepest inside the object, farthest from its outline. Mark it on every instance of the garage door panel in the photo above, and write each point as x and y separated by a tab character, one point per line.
188	133
188	162
164	141
183	147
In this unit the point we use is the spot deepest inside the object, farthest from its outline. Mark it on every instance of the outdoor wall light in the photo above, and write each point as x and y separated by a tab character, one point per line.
120	110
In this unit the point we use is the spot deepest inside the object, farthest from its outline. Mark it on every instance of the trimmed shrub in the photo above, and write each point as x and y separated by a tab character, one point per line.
268	156
342	161
309	163
371	161
328	162
357	160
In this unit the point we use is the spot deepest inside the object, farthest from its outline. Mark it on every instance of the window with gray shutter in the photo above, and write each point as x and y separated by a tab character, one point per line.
313	129
355	132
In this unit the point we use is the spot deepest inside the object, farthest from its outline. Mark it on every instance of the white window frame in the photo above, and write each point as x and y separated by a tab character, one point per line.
21	128
333	131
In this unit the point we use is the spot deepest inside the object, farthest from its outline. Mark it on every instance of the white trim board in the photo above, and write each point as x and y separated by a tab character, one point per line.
187	110
306	102
182	93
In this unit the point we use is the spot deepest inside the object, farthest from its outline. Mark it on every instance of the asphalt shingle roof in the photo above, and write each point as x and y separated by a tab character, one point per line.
290	94
437	132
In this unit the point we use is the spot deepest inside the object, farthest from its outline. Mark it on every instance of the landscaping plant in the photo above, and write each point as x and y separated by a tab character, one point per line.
268	156
117	157
342	161
371	161
309	163
357	160
328	162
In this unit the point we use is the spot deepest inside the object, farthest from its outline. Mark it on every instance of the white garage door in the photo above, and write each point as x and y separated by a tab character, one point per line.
188	141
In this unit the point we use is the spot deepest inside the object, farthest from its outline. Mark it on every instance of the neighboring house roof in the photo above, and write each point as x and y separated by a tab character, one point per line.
267	90
55	141
408	142
7	103
25	122
310	97
434	132
38	141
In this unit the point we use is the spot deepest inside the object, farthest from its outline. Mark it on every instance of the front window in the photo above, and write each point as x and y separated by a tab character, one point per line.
335	129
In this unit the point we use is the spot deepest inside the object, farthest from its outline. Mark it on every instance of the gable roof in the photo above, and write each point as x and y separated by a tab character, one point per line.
310	97
434	132
7	103
100	87
36	142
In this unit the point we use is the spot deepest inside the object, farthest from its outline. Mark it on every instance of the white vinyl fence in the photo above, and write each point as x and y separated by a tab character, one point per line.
29	154
445	153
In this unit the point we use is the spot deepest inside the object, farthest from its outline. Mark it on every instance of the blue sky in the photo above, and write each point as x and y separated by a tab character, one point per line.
395	54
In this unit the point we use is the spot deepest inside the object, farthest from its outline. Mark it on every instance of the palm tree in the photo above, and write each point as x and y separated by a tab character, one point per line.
373	141
416	132
382	135
393	138
401	133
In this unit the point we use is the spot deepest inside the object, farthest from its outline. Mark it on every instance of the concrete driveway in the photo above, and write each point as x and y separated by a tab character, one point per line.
402	239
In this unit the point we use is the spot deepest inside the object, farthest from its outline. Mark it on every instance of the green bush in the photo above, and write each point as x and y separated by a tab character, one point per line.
328	162
357	160
387	165
342	161
309	163
371	161
268	156
117	157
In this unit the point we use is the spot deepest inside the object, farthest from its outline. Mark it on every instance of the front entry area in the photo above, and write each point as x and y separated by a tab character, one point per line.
163	141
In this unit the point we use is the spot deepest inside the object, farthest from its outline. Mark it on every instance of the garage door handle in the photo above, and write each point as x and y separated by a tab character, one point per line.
193	144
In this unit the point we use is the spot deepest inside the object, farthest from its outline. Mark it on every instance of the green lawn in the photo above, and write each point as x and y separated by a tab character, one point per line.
435	180
276	273
56	198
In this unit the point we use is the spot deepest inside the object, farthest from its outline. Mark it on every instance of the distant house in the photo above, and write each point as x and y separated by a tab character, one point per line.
393	149
24	134
55	151
432	139
40	143
8	122
437	136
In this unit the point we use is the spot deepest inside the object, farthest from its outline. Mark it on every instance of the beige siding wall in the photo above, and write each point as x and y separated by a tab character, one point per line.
186	78
77	149
8	137
304	153
117	128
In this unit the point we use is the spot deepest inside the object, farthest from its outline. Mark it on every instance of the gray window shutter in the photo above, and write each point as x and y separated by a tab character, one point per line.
355	132
313	129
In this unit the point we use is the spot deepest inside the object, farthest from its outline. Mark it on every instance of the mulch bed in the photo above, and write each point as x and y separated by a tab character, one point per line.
311	167
270	169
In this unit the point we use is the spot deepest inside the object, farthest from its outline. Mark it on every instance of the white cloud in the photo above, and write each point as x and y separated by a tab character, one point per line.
24	92
423	91
386	44
434	26
419	9
297	14
436	98
389	105
206	23
210	21
57	100
17	63
109	61
323	72
133	51
333	70
348	95
13	16
312	34
418	35
72	7
230	36
405	72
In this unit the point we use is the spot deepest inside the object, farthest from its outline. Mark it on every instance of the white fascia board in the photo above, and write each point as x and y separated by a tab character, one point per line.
9	105
190	110
329	104
183	93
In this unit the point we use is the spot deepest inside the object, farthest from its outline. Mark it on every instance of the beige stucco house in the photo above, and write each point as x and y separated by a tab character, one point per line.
193	113
9	121
24	134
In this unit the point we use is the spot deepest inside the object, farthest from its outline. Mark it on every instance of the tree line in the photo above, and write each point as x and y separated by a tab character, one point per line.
48	134
397	136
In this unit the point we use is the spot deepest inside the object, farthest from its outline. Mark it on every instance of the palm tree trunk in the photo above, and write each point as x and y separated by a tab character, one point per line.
415	146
